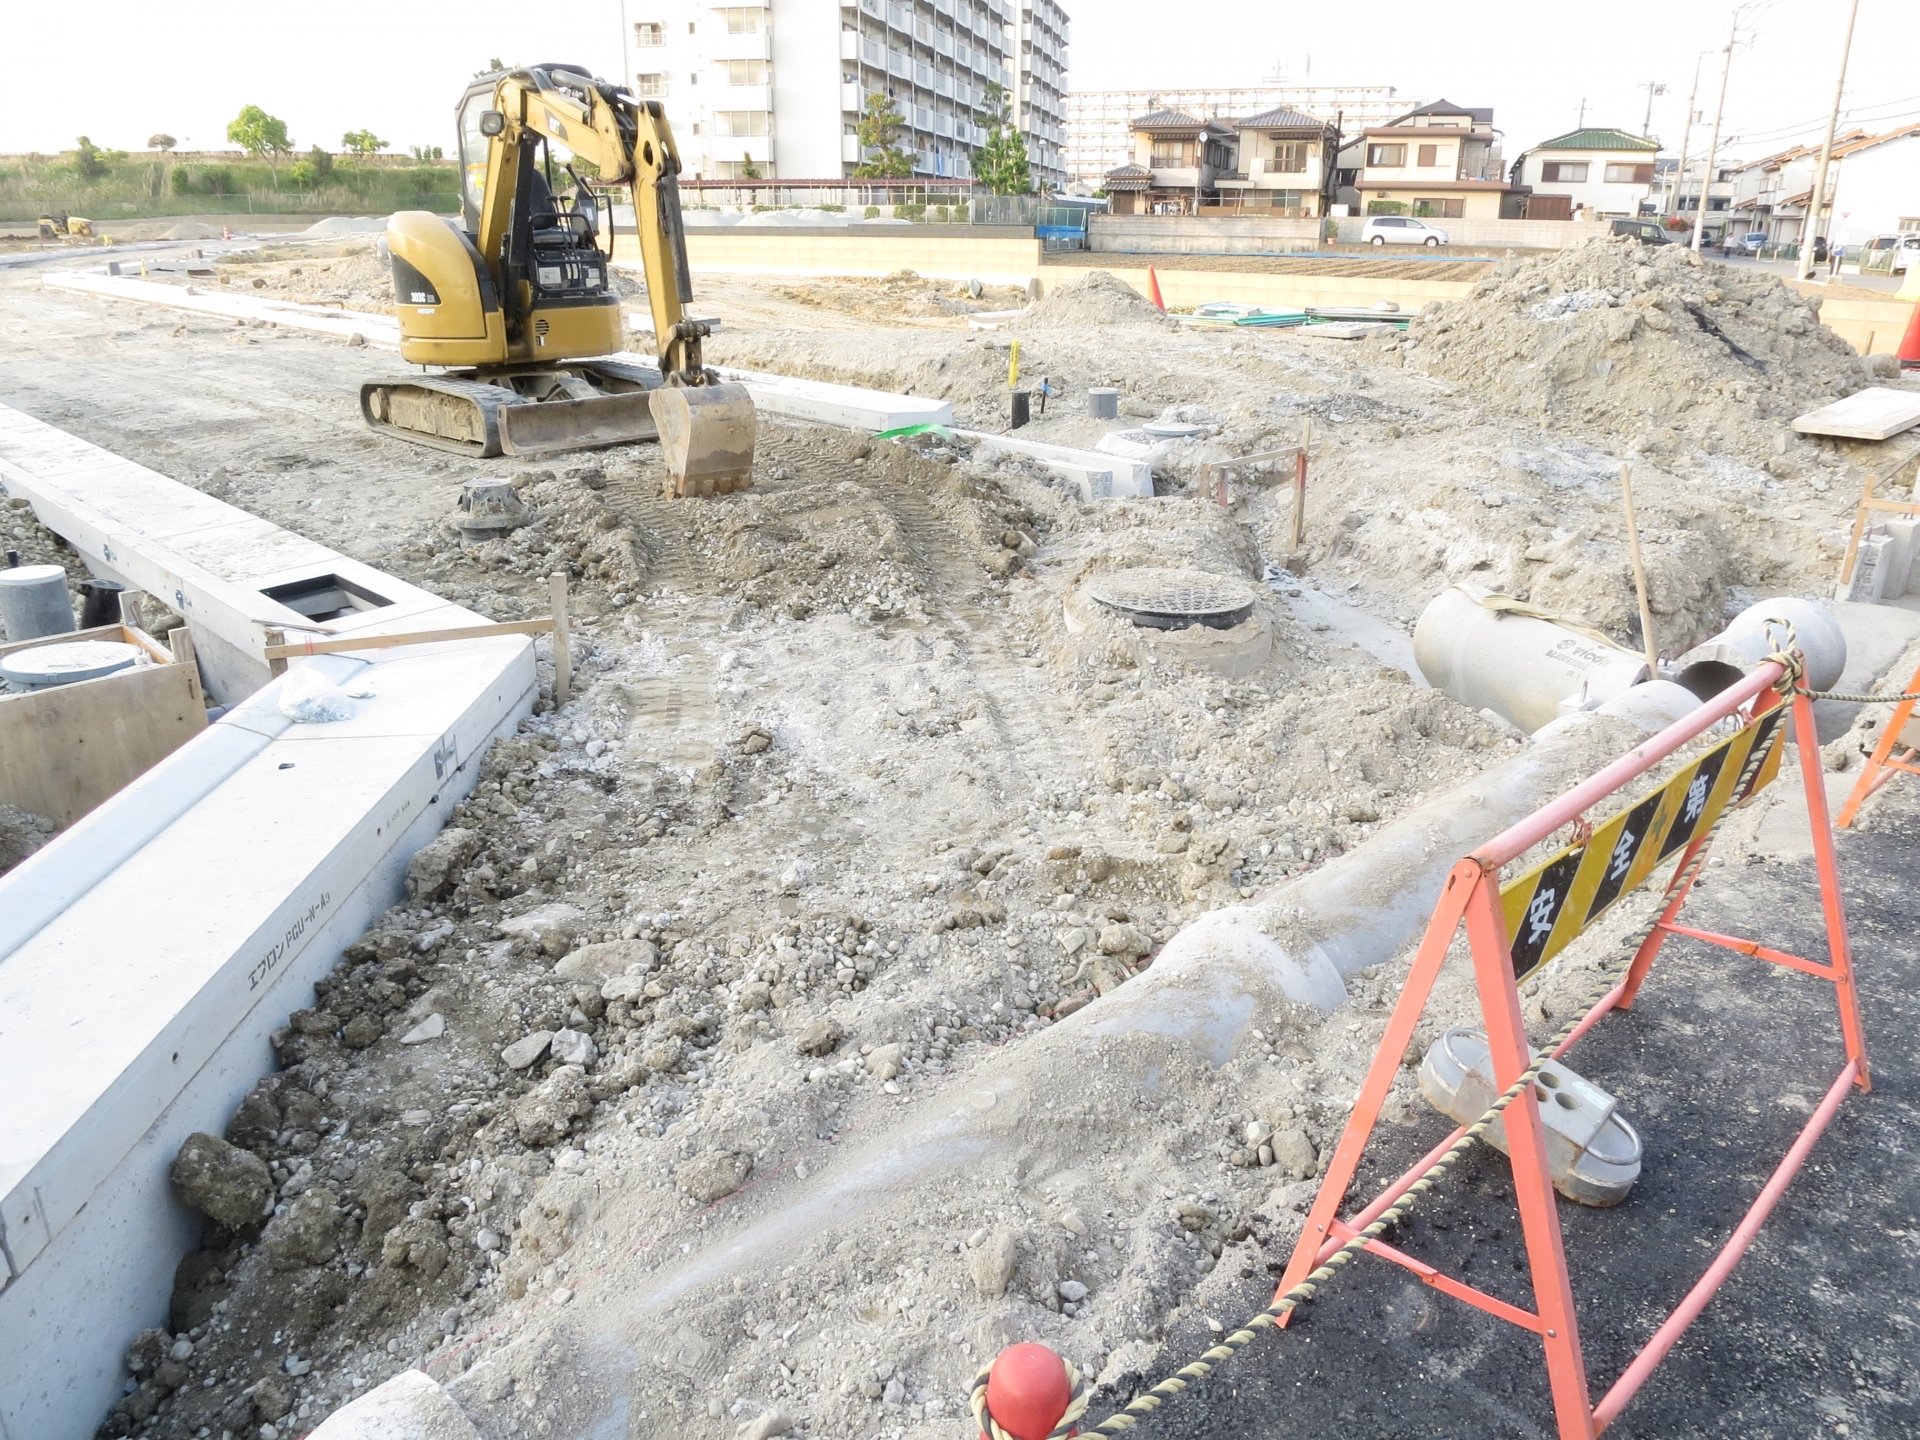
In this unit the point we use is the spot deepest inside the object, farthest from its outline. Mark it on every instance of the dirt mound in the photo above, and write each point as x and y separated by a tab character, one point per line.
1095	299
1651	349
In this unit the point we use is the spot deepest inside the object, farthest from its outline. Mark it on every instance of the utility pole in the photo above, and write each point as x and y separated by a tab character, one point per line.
1713	145
1818	198
1653	88
1583	114
626	55
1686	134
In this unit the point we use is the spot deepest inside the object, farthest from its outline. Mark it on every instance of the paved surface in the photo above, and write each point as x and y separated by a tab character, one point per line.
1718	1065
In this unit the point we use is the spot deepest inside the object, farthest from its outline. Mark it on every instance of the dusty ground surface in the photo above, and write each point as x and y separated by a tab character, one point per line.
1391	267
855	799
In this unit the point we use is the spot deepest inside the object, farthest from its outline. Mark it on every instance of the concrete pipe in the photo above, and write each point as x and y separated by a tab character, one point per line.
1518	666
1713	665
33	602
1103	402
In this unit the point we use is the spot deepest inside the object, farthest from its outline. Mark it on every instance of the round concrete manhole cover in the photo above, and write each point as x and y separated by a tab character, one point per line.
1174	599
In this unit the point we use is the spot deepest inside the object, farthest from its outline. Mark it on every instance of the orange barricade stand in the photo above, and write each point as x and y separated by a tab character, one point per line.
1882	763
1511	934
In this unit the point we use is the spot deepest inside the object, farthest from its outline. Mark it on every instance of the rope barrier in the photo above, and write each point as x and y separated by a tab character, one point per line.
1145	1404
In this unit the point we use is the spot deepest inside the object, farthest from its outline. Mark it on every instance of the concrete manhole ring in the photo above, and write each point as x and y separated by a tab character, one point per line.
1174	599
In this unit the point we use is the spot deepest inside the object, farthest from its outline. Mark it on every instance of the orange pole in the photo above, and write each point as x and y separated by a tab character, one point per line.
1839	950
1461	883
1876	772
1527	1149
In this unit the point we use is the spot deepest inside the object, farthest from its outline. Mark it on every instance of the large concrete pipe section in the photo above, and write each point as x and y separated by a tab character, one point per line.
1713	665
1471	645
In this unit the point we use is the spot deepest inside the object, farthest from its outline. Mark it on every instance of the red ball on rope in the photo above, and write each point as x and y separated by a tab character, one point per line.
1028	1390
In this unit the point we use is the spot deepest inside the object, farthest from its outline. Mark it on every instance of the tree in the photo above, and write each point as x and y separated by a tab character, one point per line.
1001	164
748	170
361	142
321	161
89	161
878	129
261	134
301	173
162	142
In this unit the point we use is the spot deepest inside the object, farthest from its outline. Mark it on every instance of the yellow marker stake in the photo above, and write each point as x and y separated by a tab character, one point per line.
1013	365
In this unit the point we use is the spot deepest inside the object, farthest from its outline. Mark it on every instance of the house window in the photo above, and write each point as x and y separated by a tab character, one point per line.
744	19
1444	206
1428	157
650	87
1629	174
1909	224
1386	156
1286	199
743	72
1171	155
1563	172
648	33
740	124
1290	157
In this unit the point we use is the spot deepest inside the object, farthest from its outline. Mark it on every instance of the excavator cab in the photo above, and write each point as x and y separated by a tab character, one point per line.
517	296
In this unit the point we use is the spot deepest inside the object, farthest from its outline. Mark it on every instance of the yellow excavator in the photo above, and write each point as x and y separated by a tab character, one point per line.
515	300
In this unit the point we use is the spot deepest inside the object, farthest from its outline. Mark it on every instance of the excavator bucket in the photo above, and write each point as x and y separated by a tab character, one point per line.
707	434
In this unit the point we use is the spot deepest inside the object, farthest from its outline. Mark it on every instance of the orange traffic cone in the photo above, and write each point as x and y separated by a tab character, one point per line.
1910	346
1153	291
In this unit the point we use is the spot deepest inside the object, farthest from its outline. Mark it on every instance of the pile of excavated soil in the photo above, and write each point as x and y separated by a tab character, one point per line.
1643	347
21	834
1093	299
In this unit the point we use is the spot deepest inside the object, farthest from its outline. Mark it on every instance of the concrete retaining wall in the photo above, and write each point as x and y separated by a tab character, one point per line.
1256	234
1209	235
944	252
1197	287
1498	235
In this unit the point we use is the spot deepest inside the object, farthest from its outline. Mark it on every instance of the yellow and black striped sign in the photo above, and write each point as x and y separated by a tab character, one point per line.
1552	903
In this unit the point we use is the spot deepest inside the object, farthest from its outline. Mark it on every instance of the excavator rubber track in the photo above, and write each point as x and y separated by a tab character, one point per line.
484	418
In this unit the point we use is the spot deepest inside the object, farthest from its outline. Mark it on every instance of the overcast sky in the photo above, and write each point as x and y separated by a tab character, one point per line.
121	70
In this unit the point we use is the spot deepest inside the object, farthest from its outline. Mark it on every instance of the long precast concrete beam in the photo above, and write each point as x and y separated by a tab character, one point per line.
148	951
823	402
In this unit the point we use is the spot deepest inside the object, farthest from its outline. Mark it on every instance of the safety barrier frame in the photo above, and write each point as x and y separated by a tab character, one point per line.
1882	764
1471	896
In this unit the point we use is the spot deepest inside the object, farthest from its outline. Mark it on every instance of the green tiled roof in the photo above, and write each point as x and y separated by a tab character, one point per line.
1599	140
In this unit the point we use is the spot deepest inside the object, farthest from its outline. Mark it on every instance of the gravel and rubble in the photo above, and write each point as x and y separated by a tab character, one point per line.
857	799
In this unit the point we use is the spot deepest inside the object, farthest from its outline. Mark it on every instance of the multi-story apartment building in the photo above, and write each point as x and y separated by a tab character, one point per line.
1040	100
1099	137
776	90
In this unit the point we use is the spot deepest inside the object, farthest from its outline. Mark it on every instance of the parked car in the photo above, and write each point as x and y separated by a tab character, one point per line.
1905	246
1401	230
1752	241
1647	232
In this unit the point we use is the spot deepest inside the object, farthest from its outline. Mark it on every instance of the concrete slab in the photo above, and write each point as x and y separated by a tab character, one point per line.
823	402
148	952
211	561
1097	475
1875	413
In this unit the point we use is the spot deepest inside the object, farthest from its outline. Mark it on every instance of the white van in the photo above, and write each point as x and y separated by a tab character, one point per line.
1905	245
1401	230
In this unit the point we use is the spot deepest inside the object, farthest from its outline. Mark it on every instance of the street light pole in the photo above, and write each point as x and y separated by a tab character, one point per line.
1713	145
1653	88
1804	267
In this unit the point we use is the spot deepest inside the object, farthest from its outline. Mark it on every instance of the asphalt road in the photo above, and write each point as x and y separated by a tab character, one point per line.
1815	1334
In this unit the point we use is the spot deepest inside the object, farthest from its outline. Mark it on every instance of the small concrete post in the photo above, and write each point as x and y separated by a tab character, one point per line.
562	652
1300	485
1103	402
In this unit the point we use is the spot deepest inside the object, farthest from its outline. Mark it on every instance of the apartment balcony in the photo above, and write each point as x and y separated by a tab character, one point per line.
851	100
922	31
943	126
741	97
923	75
849	45
900	18
943	7
741	47
899	66
850	149
943	84
873	53
943	43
